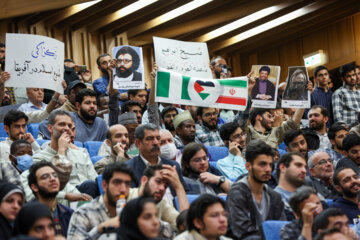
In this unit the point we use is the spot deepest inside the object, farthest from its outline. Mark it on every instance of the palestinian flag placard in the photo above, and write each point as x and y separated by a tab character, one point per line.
172	87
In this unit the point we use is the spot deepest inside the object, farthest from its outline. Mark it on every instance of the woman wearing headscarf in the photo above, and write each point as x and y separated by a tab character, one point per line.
11	201
35	220
138	220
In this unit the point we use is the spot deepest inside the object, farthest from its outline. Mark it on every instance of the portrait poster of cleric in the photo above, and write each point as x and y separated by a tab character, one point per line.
296	95
129	70
264	93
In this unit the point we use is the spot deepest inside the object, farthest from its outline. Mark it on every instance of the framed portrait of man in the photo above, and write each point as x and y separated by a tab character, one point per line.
295	94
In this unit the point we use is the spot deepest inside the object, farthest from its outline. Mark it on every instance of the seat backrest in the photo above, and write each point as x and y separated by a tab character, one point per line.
271	229
2	131
42	141
94	159
79	144
33	128
92	147
99	183
217	153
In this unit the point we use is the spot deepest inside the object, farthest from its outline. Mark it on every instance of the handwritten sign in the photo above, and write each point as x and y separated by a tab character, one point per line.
34	61
129	70
187	58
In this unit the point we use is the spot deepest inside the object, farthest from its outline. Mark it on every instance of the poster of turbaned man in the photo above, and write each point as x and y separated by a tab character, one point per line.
129	69
34	61
264	93
296	94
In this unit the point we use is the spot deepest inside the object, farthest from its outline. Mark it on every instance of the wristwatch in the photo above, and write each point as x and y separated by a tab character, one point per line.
221	180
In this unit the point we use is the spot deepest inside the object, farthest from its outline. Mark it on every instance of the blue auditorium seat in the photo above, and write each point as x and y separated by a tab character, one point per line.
79	144
217	153
92	147
99	183
192	197
33	128
42	141
94	159
2	131
271	229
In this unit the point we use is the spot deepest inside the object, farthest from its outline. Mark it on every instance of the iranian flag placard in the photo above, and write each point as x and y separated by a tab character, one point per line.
172	87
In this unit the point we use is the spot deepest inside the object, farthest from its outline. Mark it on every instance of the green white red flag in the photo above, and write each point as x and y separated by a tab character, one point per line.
172	87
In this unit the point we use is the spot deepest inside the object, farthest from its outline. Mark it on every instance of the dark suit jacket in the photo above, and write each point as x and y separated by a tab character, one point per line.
138	167
270	89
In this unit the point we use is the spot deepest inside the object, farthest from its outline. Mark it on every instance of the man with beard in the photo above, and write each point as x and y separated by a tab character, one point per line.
91	219
167	115
351	150
127	62
291	171
45	184
336	134
318	117
89	127
117	139
185	129
147	139
232	166
207	130
6	98
262	122
250	200
347	182
346	99
263	89
296	88
154	183
321	170
295	142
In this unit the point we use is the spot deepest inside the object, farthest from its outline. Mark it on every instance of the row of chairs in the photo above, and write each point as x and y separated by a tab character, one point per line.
33	128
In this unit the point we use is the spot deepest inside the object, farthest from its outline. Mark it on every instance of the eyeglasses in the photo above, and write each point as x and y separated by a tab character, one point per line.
324	161
198	160
125	61
210	114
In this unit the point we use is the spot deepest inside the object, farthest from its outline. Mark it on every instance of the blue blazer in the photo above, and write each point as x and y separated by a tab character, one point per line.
138	166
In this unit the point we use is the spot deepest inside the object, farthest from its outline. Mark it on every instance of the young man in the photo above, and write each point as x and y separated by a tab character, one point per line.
347	183
90	220
45	185
207	131
295	142
318	117
250	201
346	99
132	106
21	155
306	206
139	95
167	115
232	166
291	171
206	219
185	129
15	126
351	146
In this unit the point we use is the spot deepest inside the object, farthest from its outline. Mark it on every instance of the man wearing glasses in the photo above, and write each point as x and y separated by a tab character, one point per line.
127	62
207	131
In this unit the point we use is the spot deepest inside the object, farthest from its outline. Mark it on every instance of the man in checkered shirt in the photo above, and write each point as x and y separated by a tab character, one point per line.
346	99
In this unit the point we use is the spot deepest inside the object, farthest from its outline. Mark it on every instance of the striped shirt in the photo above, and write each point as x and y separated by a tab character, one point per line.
346	104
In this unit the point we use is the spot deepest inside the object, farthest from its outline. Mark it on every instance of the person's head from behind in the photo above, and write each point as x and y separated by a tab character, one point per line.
208	117
60	122
167	146
20	153
117	136
331	234
261	117
351	146
139	95
86	104
147	140
194	159
259	161
291	169
15	124
43	180
231	132
346	182
167	115
207	216
181	223
116	182
132	106
321	166
152	183
138	219
348	74
331	218
127	61
312	140
305	197
336	134
318	117
321	76
103	62
11	200
295	142
185	127
35	220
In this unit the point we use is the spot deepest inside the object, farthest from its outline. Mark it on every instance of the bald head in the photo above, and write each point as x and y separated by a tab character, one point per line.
117	134
321	166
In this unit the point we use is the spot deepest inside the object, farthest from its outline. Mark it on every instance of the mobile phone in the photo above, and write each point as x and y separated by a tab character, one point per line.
80	68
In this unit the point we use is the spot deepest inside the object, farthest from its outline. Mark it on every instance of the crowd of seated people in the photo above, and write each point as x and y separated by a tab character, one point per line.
114	164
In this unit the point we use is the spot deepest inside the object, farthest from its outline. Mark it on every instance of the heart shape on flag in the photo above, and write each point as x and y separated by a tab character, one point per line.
199	87
204	92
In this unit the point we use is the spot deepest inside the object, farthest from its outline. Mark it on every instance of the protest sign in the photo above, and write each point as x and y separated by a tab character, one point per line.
264	93
172	87
295	94
34	61
129	70
187	58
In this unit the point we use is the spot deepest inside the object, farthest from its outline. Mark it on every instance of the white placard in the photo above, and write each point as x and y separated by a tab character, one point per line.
187	58
34	61
295	94
129	70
